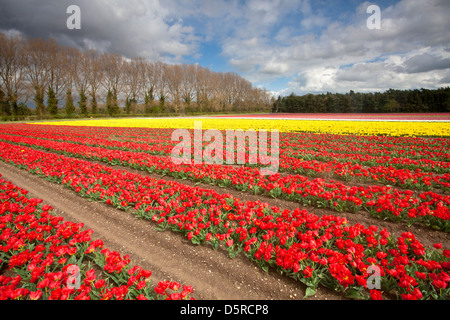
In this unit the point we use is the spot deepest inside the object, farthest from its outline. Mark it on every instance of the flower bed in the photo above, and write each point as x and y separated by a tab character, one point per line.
43	257
314	250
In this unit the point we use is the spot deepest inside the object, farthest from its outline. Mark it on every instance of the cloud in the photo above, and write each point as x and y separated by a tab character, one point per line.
410	50
132	28
309	45
392	71
426	62
275	67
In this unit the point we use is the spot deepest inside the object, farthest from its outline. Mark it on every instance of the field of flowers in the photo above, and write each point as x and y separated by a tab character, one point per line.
396	128
44	257
393	171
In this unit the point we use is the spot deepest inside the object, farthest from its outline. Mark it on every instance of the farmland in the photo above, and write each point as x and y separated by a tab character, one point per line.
357	209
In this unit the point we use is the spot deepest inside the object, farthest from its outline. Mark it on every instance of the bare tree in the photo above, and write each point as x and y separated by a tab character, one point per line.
112	67
232	94
204	88
71	64
37	69
12	64
133	82
81	79
161	83
263	100
222	91
94	76
148	84
188	81
242	99
36	66
174	79
57	78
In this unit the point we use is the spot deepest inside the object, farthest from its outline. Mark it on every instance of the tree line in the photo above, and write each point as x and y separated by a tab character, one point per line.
61	81
390	101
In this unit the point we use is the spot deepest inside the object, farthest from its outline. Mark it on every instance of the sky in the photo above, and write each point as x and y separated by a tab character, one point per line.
283	46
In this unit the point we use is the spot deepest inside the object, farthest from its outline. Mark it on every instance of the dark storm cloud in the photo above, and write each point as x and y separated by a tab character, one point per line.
131	28
426	62
37	18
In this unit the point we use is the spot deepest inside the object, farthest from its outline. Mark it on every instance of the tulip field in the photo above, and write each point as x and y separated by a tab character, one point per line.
335	175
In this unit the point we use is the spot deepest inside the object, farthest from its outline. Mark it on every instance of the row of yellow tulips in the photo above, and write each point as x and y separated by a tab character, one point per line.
390	128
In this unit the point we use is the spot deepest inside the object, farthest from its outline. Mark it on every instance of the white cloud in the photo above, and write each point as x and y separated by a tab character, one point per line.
376	75
145	28
275	67
410	50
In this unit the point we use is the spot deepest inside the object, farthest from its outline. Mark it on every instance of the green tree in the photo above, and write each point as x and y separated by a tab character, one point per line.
69	106
39	100
391	106
392	100
111	103
82	103
162	104
130	105
23	110
148	101
109	106
276	105
115	103
5	109
14	106
52	102
94	106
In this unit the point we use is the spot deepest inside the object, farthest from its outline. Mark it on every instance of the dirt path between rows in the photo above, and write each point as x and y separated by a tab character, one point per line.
168	255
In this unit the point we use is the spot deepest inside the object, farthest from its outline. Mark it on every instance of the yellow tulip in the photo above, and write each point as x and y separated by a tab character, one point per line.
388	128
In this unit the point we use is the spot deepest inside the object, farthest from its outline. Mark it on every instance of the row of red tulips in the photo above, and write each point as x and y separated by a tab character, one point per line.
143	138
44	257
383	146
429	208
361	166
312	249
